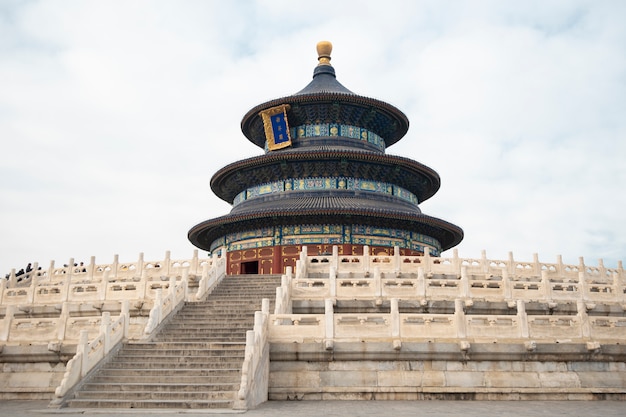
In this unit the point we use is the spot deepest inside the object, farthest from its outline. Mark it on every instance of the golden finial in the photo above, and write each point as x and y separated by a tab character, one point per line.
324	48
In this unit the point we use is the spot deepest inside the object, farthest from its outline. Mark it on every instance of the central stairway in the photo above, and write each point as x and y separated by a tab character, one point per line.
195	361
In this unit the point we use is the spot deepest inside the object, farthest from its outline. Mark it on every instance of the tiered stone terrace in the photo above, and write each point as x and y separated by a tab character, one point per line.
343	327
412	327
58	323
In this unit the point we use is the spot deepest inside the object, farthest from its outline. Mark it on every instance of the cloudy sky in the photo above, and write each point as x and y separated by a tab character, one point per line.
114	115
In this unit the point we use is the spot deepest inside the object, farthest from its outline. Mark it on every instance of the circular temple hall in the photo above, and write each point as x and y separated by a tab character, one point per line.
323	181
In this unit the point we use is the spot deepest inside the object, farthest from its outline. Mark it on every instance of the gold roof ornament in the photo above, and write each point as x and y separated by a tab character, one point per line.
324	48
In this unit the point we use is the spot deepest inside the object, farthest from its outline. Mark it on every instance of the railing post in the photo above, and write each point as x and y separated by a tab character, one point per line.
427	261
329	325
91	268
547	285
508	286
51	271
3	287
395	324
421	282
194	262
168	263
378	285
511	264
140	263
465	286
332	282
522	318
536	266
459	317
484	264
105	329
83	350
115	266
335	261
8	319
585	327
366	260
126	315
62	324
397	260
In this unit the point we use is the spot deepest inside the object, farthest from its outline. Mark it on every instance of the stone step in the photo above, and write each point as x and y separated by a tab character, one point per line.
181	345
133	387
169	361
172	373
195	361
160	403
182	353
221	378
211	364
196	339
156	395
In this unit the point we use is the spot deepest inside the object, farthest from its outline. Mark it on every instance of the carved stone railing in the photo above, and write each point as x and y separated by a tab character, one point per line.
255	370
43	310
396	327
89	353
426	277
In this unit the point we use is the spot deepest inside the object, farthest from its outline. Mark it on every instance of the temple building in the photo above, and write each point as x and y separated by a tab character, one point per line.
324	180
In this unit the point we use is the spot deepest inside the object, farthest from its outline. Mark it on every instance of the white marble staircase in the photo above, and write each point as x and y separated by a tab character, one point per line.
195	361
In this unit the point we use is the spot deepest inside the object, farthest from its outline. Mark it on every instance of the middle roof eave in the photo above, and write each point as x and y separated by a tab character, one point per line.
417	178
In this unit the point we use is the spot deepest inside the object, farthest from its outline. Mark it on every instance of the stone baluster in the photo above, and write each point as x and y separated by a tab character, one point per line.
397	261
547	285
62	324
395	324
456	262
115	266
484	262
51	271
82	350
3	288
32	290
167	262
8	319
522	319
536	265
366	261
465	284
585	326
560	269
459	318
508	285
583	285
12	278
332	282
335	260
511	265
139	269
195	262
421	283
427	261
329	325
378	285
126	314
618	290
302	271
601	268
91	268
143	284
105	330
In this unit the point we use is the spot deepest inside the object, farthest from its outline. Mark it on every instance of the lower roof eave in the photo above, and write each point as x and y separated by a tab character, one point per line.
204	234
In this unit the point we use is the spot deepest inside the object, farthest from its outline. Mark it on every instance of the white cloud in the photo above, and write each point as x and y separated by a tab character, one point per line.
114	115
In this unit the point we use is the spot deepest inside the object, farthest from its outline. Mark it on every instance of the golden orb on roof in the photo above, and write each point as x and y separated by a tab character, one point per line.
324	48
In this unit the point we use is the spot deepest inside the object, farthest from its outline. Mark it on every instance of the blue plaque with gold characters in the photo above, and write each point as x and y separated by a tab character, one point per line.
276	127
